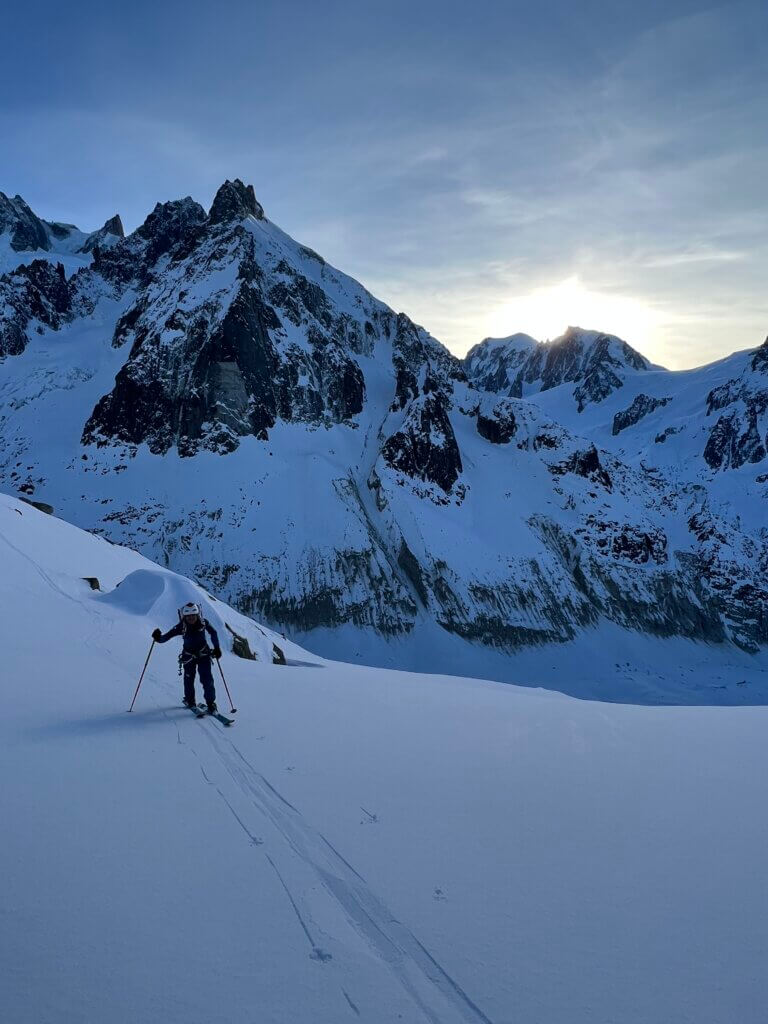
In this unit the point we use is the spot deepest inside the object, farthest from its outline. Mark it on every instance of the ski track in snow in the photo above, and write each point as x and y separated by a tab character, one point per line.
437	996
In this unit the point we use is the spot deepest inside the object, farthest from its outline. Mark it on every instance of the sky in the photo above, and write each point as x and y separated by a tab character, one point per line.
486	168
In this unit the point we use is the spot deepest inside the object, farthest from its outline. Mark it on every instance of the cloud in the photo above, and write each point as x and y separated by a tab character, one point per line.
703	255
482	154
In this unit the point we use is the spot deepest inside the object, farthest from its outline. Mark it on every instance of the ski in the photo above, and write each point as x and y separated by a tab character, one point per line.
195	712
215	714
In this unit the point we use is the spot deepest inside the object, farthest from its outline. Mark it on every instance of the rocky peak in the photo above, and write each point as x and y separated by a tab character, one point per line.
113	229
512	366
577	353
27	230
114	226
169	224
235	201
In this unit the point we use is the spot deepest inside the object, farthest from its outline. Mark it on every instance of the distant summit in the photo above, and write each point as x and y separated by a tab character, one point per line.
517	366
22	231
234	201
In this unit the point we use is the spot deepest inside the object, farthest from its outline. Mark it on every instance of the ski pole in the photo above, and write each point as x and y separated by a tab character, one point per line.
232	708
142	676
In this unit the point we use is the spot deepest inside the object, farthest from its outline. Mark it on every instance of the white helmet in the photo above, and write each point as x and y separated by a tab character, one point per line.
190	609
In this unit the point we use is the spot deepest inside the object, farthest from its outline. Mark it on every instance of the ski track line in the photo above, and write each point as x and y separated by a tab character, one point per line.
428	984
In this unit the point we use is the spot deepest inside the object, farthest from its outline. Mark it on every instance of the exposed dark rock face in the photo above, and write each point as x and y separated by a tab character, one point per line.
732	568
587	464
737	436
169	226
705	527
640	547
670	603
113	228
341	384
641	406
734	440
499	425
666	433
27	231
625	542
600	382
35	296
494	364
46	289
41	506
234	201
570	359
406	385
171	229
425	447
215	387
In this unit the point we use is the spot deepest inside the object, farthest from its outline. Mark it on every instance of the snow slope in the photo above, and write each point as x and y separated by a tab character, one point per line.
362	844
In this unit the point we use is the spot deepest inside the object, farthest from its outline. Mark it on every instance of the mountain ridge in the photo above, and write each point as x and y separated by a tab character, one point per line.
234	407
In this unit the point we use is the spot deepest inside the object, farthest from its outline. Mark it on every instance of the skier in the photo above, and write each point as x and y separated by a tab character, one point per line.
195	653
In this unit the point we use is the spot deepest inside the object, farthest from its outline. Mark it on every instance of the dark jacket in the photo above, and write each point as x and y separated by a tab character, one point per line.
194	637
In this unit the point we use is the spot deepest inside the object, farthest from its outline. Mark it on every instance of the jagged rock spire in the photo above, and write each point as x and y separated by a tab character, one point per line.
234	201
28	232
114	226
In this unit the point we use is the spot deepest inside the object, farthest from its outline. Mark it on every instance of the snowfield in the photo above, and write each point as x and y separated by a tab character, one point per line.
363	844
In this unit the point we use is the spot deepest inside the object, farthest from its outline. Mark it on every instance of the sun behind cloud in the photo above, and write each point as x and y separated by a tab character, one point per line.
546	312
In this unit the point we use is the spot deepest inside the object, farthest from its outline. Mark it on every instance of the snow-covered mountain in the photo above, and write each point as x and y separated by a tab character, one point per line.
214	394
597	385
24	237
596	364
363	844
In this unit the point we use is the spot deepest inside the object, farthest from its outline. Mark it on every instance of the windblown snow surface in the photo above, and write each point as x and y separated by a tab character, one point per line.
363	844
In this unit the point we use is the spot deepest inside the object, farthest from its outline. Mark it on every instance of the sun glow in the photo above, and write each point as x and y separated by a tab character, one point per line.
546	312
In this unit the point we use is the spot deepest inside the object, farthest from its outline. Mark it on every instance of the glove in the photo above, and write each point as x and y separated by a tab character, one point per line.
156	634
216	652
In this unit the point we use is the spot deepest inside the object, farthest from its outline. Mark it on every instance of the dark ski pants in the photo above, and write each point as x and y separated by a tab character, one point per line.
203	666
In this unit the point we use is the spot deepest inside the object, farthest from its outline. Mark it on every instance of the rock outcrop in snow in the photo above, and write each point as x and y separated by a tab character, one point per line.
641	406
741	432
